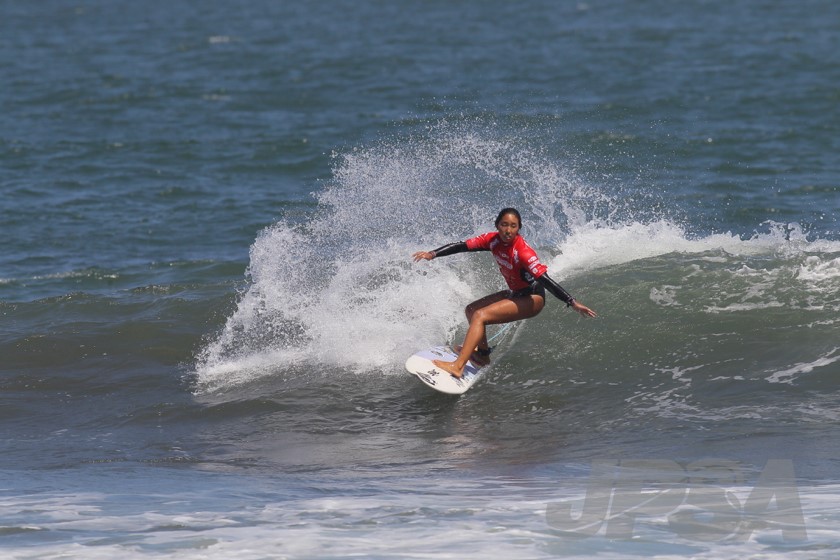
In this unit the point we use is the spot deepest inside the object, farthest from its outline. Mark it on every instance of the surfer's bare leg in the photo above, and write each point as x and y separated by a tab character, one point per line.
497	309
483	344
481	304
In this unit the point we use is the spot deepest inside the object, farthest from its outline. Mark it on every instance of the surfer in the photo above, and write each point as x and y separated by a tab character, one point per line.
526	278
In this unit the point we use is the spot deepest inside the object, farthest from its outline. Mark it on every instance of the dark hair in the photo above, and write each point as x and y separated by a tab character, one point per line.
504	211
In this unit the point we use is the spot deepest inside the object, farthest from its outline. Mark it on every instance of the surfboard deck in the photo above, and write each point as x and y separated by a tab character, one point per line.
420	365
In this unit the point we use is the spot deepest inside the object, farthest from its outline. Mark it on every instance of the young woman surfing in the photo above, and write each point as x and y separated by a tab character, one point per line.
525	275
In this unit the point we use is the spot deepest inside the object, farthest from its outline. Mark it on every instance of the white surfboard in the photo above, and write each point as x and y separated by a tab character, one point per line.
421	366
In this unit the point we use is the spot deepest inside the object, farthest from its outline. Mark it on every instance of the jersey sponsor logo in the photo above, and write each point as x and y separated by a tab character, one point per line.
503	262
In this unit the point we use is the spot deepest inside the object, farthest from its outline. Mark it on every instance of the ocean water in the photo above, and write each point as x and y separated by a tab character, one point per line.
207	297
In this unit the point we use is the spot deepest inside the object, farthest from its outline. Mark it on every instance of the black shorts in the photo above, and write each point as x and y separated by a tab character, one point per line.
534	289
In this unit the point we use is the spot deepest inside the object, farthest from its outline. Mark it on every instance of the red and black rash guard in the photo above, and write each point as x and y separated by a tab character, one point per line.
518	262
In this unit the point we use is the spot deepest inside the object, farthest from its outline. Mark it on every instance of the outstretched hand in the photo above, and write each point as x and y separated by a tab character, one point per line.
423	255
583	310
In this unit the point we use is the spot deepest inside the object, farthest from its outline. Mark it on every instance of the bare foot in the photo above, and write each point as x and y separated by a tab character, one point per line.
480	360
450	368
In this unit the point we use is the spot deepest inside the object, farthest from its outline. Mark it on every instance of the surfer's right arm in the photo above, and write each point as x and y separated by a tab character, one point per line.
450	249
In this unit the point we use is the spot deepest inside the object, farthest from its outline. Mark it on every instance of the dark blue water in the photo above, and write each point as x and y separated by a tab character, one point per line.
207	297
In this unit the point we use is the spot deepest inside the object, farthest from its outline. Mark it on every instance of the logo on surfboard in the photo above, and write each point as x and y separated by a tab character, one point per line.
428	377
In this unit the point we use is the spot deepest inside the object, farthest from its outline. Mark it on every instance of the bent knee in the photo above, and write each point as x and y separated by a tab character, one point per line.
470	310
482	315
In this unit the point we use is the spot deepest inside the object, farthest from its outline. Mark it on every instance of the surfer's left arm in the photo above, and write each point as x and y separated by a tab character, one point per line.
561	294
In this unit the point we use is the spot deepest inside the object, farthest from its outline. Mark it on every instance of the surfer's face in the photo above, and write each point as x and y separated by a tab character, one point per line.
508	227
